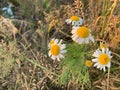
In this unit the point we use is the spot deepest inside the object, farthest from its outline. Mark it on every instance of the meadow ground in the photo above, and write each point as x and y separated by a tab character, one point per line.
26	28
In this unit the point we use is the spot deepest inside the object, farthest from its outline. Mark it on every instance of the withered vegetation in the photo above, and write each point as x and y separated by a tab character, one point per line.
24	62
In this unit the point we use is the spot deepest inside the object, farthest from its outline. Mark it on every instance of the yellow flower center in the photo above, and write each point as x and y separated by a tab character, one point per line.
55	49
88	63
83	32
103	59
51	42
74	18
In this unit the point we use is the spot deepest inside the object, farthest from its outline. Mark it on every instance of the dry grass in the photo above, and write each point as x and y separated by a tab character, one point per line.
25	39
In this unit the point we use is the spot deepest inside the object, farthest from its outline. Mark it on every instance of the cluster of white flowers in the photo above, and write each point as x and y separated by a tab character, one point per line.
81	35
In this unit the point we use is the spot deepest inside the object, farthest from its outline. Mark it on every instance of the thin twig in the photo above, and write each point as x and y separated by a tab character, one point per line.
64	33
32	75
116	54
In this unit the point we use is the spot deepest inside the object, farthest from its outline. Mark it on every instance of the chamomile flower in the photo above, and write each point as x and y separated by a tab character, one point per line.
103	58
75	20
57	49
88	63
81	35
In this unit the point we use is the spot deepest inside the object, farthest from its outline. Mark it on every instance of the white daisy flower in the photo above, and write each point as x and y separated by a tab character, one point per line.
75	20
52	42
81	35
57	49
103	58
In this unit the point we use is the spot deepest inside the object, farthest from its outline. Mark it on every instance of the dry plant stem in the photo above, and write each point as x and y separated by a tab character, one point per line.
42	80
68	86
26	84
32	75
44	68
111	13
99	40
82	88
116	54
108	78
64	33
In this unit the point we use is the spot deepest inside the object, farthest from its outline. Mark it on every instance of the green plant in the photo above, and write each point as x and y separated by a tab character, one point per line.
8	55
73	66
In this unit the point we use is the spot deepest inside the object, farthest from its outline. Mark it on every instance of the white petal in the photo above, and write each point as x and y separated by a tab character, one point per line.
68	21
75	28
53	57
56	41
61	56
63	51
73	23
81	40
109	52
96	54
87	40
60	42
49	54
103	50
58	58
91	38
95	60
96	64
63	46
73	31
98	51
81	21
104	69
76	23
99	66
76	39
110	57
108	65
